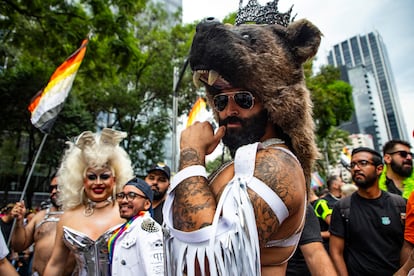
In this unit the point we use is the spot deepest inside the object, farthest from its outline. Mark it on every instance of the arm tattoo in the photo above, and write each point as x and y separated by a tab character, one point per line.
189	157
275	169
277	173
194	204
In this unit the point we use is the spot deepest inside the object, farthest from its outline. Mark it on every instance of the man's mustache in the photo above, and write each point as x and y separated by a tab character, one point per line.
231	120
408	162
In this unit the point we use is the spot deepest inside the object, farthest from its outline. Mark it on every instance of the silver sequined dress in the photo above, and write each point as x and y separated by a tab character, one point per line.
91	256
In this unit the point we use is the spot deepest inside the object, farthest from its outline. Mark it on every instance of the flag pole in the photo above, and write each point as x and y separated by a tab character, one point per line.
177	77
27	182
33	165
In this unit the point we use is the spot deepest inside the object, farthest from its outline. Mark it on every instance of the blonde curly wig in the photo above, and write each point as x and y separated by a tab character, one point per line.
91	150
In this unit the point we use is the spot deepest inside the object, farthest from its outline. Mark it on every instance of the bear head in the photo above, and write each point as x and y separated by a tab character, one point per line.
266	60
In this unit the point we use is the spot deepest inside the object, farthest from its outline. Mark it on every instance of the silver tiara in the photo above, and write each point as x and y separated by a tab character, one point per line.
269	14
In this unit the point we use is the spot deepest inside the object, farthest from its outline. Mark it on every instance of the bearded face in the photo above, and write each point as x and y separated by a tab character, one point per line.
364	181
252	130
158	195
53	196
405	169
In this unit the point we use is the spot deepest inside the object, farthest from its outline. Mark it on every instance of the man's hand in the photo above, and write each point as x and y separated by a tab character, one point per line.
200	136
19	210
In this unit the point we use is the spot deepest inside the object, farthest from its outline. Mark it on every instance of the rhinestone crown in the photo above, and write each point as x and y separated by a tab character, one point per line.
268	14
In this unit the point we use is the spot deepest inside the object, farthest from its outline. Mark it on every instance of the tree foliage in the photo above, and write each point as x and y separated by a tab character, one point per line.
333	105
331	96
124	82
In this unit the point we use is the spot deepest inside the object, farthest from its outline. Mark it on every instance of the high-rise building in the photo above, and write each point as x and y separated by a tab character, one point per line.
363	56
368	115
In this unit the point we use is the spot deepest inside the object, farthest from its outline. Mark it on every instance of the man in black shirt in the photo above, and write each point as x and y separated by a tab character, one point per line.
334	184
366	227
158	177
310	257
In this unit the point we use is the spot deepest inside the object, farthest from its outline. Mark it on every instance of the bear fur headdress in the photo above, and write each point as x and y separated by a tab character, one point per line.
267	60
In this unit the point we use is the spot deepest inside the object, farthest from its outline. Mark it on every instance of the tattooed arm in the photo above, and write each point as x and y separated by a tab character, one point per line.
283	174
194	204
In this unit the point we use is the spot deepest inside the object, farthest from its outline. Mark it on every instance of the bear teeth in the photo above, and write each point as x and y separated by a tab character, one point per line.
212	77
196	79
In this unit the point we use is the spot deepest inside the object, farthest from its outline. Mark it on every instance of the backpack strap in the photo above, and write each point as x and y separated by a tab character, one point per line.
345	209
400	205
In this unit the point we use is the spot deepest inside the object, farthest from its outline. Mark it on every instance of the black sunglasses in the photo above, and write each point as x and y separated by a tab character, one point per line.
129	196
103	176
244	99
402	153
52	187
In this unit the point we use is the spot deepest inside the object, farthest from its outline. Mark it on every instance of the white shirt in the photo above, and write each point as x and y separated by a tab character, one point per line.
138	251
4	250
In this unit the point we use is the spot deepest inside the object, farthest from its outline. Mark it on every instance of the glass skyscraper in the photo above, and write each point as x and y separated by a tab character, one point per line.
362	56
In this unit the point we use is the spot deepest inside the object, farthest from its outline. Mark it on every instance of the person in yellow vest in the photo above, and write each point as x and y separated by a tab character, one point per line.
397	176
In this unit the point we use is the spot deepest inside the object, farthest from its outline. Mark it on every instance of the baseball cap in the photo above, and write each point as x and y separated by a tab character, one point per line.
160	166
143	186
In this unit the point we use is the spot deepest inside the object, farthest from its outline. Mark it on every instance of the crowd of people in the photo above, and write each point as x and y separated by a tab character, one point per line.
255	215
367	232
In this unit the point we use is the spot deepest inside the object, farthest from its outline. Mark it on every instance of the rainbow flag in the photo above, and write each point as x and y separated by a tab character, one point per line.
48	102
316	181
198	112
345	157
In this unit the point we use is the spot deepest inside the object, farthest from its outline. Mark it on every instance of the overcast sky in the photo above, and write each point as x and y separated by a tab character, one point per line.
339	20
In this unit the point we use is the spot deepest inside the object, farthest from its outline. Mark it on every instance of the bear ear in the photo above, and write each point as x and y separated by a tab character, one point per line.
304	38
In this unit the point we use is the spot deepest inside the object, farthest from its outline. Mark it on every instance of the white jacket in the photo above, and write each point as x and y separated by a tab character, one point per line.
4	250
139	250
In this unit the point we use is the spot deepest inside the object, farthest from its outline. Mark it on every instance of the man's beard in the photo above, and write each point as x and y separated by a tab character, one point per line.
54	202
252	130
366	183
400	170
158	195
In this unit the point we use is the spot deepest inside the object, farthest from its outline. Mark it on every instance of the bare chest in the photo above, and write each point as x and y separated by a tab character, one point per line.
47	227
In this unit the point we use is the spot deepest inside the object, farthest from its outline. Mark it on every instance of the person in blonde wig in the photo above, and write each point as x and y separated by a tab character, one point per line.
88	152
94	168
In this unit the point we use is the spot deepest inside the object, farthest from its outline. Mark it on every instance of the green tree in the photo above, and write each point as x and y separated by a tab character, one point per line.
125	80
332	105
332	98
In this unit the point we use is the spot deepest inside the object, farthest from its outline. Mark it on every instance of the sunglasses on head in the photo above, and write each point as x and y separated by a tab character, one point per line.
244	99
402	153
102	176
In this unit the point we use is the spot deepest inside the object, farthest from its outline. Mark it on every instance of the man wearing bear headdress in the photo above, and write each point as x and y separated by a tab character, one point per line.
93	170
245	219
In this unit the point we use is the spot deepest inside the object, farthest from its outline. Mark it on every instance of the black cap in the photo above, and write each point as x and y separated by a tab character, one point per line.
143	186
160	166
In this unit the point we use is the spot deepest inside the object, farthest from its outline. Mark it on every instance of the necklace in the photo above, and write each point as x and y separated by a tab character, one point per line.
92	205
272	141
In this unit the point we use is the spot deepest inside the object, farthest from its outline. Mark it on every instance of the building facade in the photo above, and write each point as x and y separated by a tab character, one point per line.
364	56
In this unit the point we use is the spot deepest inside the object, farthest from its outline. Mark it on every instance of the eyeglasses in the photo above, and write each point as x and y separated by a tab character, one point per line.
52	187
129	196
402	153
361	164
103	176
244	99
